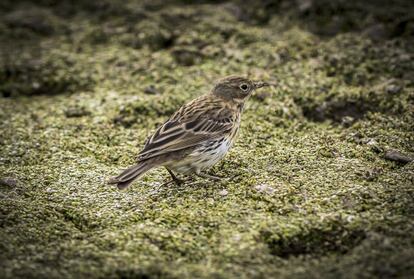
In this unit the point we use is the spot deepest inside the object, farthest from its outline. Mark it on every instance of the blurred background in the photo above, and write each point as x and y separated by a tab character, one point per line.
52	47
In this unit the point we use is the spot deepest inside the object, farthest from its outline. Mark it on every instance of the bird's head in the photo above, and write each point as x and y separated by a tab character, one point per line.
236	88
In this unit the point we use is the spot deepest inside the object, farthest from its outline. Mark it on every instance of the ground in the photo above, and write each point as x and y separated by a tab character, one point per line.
320	180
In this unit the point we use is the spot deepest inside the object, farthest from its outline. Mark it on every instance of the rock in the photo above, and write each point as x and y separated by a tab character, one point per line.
393	89
347	121
223	192
373	144
397	156
265	188
8	182
76	112
151	90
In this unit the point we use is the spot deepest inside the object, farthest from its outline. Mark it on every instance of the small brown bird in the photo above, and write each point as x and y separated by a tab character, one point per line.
197	136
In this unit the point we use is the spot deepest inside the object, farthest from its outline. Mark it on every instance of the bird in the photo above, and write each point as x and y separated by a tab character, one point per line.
197	135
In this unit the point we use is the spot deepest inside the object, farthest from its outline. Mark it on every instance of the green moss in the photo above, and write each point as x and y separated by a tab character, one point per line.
310	193
36	72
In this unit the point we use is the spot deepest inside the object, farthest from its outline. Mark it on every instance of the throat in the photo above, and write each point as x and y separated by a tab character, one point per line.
239	104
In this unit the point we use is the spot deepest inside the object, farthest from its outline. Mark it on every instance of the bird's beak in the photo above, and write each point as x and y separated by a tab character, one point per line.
260	84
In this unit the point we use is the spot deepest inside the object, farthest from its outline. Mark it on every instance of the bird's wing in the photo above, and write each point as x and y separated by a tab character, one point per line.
200	120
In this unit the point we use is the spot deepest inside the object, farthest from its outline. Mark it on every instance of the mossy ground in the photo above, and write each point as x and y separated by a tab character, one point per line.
312	195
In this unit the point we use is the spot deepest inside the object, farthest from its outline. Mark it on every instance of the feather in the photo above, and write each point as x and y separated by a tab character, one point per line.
203	119
130	174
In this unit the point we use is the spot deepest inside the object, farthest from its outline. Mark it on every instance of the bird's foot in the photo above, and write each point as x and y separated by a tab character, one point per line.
175	179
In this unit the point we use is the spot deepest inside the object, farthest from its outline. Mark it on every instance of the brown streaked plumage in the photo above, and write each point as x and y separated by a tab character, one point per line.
197	136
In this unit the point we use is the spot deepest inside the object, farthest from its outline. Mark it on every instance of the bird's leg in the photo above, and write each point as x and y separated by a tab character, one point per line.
166	183
209	176
175	179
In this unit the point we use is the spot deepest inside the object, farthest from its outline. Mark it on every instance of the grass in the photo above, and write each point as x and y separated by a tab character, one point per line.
312	195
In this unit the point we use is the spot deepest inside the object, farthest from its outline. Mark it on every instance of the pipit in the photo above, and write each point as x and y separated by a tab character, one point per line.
196	136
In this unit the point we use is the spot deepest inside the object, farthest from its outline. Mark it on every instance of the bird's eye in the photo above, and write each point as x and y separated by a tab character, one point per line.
244	87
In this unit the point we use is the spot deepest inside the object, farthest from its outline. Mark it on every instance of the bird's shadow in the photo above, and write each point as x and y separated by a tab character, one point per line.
189	185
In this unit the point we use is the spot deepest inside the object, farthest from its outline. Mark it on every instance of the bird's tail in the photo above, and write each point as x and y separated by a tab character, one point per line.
130	174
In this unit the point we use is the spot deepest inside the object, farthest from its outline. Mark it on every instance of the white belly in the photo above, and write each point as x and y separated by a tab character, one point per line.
203	157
